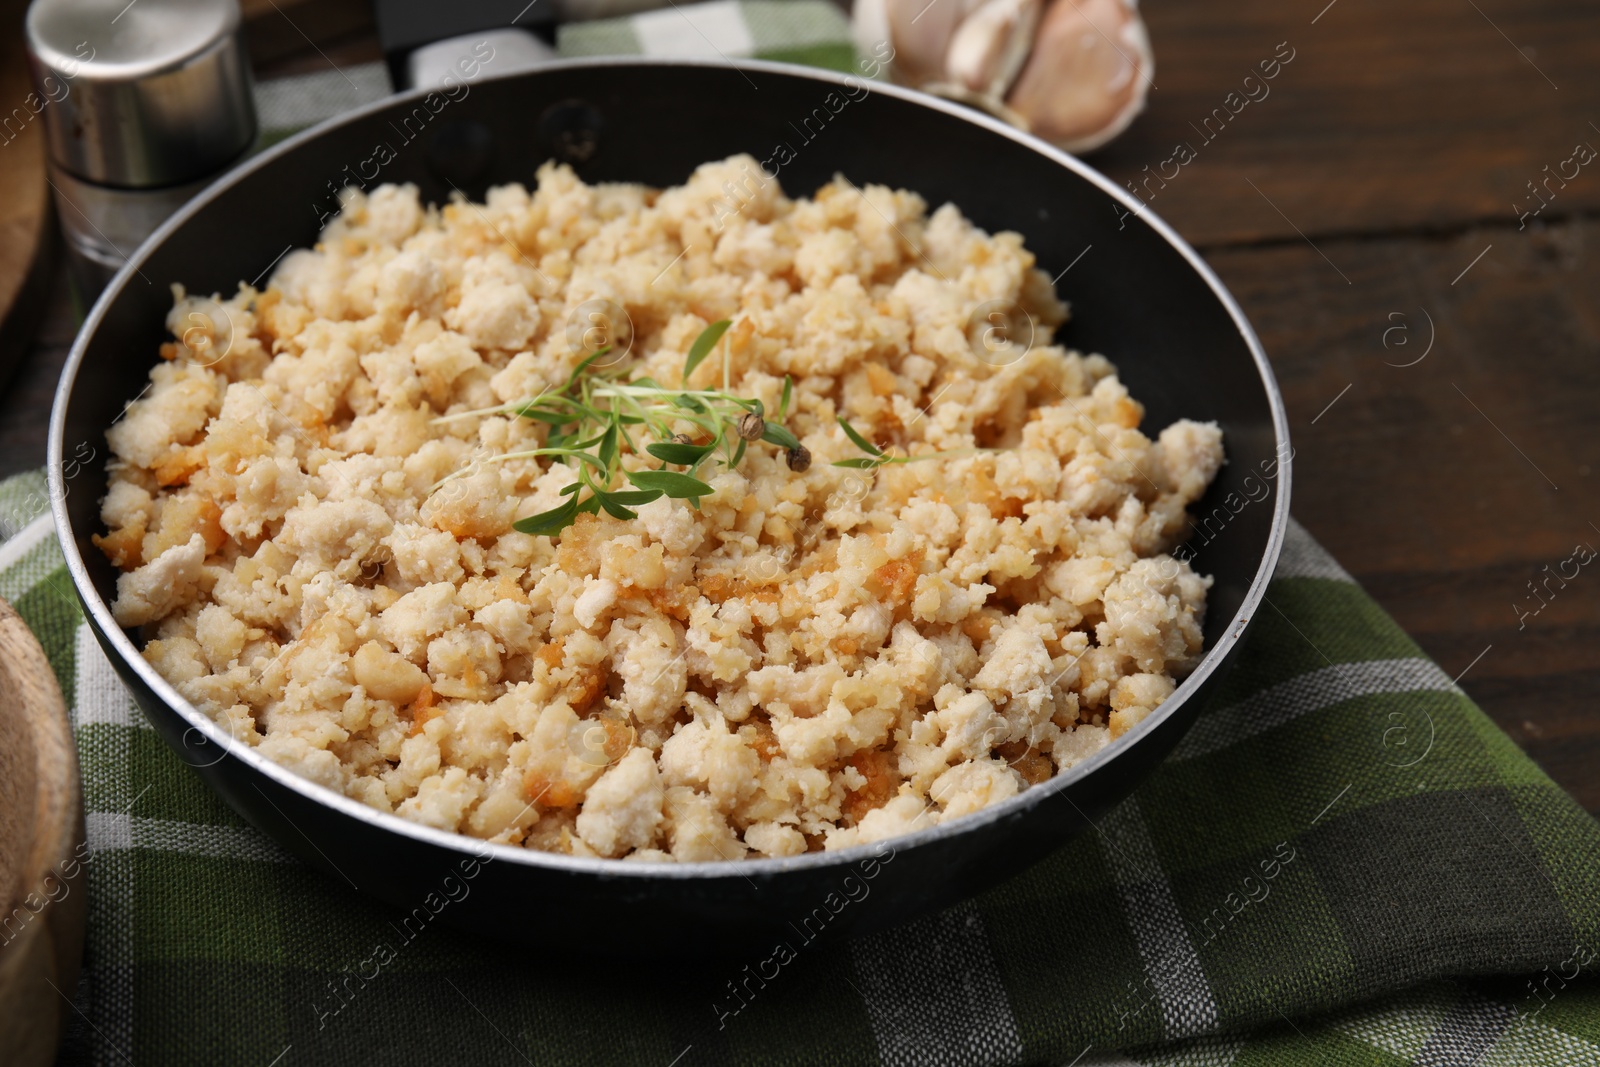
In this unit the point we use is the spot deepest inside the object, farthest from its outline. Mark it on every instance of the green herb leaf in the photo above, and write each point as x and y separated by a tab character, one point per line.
788	393
572	453
550	522
675	485
860	442
674	452
777	435
633	497
861	463
738	454
608	446
703	345
537	410
577	372
616	510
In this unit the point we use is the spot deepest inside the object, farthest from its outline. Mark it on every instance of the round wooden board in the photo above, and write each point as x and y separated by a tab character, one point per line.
27	224
41	852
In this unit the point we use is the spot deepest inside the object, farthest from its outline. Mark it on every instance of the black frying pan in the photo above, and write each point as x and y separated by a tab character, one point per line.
1139	295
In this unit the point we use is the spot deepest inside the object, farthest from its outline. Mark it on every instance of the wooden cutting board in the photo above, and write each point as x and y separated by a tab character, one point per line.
42	855
27	225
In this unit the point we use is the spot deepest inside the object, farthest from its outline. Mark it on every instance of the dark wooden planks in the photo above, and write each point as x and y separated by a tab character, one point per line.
1443	510
1390	116
26	396
289	30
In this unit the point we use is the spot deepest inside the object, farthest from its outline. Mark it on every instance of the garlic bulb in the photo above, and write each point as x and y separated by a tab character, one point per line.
1087	75
1074	72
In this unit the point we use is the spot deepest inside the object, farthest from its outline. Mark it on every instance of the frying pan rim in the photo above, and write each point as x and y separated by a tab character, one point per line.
609	869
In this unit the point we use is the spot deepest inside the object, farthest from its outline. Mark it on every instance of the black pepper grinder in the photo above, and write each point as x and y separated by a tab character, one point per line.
146	103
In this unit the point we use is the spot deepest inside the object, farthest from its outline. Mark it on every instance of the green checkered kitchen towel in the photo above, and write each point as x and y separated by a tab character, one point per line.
813	32
1344	862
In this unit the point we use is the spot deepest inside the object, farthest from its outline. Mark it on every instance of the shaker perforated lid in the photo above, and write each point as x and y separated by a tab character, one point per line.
142	94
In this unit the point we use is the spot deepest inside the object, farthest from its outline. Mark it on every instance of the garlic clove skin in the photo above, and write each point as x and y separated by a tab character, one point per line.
1088	74
989	48
918	30
869	25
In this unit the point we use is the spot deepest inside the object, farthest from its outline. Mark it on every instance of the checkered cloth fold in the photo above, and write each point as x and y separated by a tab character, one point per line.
813	32
1344	862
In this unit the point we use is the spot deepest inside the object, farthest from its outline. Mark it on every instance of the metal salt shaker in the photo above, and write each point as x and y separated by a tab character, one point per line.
145	103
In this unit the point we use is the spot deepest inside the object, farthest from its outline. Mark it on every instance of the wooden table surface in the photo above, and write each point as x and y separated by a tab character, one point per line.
1437	343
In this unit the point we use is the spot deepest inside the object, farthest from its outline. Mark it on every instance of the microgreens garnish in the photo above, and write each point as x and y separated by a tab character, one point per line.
591	414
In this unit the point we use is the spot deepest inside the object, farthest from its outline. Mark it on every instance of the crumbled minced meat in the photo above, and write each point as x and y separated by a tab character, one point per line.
808	661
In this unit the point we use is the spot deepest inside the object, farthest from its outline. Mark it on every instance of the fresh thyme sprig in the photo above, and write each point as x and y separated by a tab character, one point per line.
591	414
590	419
